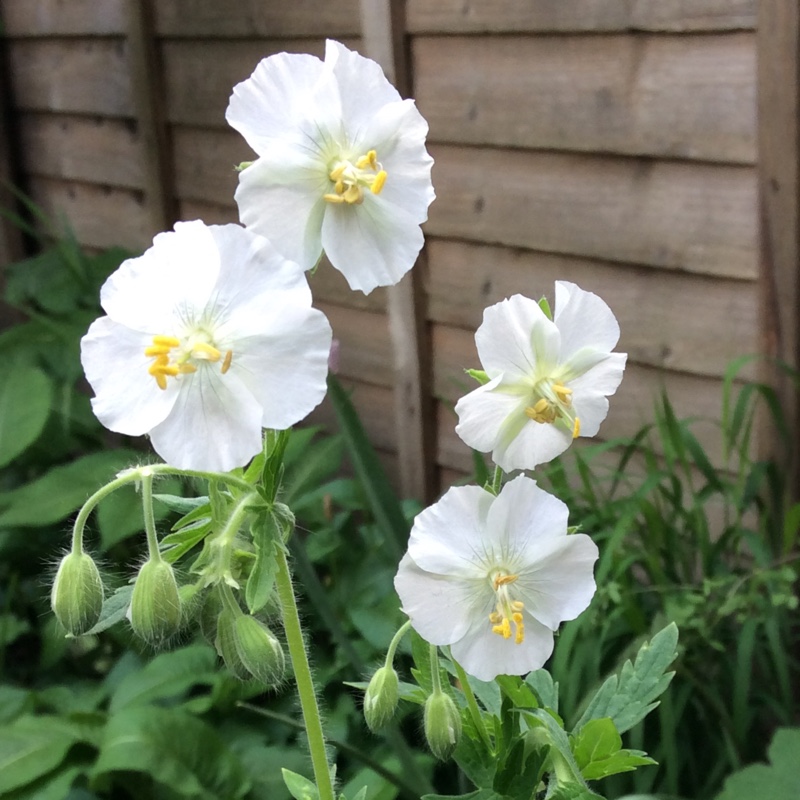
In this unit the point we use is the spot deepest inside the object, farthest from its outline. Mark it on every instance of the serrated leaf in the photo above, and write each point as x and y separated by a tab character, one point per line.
114	609
299	787
628	698
176	545
545	689
181	505
25	397
598	751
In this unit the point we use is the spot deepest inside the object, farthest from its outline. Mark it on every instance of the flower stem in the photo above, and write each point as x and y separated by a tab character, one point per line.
435	680
396	641
149	518
472	705
497	481
302	673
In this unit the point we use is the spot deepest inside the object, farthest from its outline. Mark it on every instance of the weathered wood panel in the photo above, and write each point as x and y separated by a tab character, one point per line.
205	162
82	76
694	217
675	96
90	149
63	17
674	320
255	18
99	215
630	408
498	16
200	75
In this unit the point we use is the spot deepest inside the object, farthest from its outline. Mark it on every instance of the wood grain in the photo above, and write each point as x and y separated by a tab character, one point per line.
502	16
676	96
63	17
694	217
675	320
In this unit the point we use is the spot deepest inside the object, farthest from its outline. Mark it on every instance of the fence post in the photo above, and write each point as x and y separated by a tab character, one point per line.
383	36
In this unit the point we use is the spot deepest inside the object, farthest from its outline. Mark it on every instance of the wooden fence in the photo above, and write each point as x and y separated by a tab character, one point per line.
612	144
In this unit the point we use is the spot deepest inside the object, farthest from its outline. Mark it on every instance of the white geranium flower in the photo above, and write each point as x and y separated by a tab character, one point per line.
548	380
209	337
493	577
342	164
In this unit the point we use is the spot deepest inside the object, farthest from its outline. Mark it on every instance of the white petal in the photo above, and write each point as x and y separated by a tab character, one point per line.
286	368
127	399
373	244
584	319
559	583
215	424
171	281
590	390
285	90
482	414
283	201
505	339
449	537
363	88
530	443
438	606
486	655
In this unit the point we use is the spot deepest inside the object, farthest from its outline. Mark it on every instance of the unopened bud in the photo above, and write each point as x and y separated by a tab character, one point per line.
442	724
209	612
380	699
155	613
225	644
77	594
259	650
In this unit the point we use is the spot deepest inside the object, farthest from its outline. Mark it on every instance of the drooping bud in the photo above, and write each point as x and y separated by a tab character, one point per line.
77	594
155	612
380	699
442	724
260	652
209	613
225	644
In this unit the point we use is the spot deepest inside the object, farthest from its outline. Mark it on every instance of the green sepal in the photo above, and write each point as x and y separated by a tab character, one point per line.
479	375
299	787
545	306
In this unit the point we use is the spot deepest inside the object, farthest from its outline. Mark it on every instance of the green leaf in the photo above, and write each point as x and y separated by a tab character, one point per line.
573	791
778	781
598	751
266	534
31	747
62	490
546	691
629	697
114	609
175	545
299	787
13	701
55	785
25	397
480	794
11	628
174	748
182	505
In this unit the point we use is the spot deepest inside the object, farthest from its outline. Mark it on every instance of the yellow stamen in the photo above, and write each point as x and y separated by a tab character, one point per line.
187	369
504	580
161	381
203	350
380	180
163	369
508	612
336	174
576	429
350	179
168	341
354	195
157	350
333	198
563	393
226	364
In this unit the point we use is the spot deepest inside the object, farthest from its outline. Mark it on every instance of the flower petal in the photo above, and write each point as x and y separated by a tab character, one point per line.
215	424
127	399
525	444
584	320
590	390
482	414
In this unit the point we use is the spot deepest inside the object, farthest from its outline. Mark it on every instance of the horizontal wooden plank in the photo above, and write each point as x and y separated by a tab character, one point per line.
89	149
696	217
206	19
675	320
199	76
210	213
100	216
63	17
630	408
205	162
82	76
499	16
677	96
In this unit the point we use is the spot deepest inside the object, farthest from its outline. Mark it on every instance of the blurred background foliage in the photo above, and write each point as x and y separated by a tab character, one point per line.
98	717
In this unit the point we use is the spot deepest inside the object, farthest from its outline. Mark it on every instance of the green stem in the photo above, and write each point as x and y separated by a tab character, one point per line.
149	518
395	642
435	680
497	481
472	705
302	673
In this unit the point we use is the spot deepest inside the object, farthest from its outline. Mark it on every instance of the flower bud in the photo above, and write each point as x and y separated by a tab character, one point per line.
442	724
380	699
225	644
77	594
259	650
209	613
155	612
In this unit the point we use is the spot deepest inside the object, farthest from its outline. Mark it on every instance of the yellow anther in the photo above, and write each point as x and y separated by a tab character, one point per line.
187	369
495	617
168	341
333	198
163	369
576	428
226	364
161	381
380	180
157	350
563	393
504	628
517	617
541	411
339	187
354	195
520	637
336	174
504	580
203	350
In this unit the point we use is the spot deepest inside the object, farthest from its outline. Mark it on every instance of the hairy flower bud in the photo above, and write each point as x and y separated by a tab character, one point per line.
225	644
259	650
209	613
155	612
442	724
380	699
77	594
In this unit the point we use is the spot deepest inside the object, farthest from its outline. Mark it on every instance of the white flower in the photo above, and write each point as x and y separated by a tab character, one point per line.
209	337
342	164
548	380
493	577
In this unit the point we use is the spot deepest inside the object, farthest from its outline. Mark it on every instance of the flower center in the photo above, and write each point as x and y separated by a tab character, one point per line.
507	612
173	357
551	403
350	180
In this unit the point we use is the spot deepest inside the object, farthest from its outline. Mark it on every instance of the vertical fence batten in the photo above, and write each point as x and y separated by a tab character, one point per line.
779	206
149	107
383	36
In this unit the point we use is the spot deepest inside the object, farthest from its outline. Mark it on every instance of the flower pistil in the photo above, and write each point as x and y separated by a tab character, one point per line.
507	612
349	179
552	402
167	363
